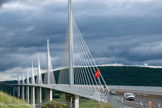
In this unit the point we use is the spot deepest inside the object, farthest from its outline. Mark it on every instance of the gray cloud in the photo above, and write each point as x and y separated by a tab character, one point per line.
121	31
3	1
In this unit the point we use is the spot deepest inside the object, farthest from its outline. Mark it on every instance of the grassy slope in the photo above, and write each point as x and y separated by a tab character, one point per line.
7	101
86	103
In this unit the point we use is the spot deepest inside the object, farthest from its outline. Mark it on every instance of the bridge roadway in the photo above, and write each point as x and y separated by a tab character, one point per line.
75	90
143	94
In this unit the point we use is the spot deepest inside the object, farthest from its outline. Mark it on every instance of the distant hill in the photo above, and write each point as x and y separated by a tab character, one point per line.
6	87
132	75
117	75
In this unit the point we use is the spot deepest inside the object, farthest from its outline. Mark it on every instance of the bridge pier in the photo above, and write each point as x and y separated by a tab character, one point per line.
39	95
22	92
18	90
27	94
48	95
75	99
33	96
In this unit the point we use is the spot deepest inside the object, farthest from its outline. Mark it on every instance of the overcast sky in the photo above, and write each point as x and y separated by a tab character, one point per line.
127	32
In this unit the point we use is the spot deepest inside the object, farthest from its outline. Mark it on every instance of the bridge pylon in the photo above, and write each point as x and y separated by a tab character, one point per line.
27	87
70	36
32	87
32	75
74	98
22	91
27	76
18	87
39	81
49	76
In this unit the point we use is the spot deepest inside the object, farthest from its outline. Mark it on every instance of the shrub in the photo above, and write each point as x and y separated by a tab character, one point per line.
54	104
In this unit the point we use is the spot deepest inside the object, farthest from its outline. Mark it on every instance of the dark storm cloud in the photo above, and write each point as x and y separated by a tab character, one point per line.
23	43
126	32
3	1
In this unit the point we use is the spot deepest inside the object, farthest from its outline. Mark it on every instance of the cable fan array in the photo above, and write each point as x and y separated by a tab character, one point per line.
83	62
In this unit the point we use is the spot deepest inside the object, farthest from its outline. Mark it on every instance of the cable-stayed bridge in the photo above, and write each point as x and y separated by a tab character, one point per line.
79	75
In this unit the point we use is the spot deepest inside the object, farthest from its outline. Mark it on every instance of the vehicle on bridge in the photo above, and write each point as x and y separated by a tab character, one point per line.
113	93
129	96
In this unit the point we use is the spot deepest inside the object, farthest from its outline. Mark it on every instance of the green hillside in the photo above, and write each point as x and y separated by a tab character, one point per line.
6	87
136	76
7	101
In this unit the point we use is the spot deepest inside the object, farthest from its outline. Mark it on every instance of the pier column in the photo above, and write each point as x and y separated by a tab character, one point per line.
33	96
48	95
18	92
39	95
22	92
75	99
27	94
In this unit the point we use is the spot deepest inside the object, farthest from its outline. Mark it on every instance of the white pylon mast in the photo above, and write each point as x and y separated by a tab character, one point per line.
23	79
48	63
70	35
19	80
27	76
33	79
39	80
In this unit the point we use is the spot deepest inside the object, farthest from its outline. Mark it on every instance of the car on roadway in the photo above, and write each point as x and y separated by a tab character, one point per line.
113	93
129	96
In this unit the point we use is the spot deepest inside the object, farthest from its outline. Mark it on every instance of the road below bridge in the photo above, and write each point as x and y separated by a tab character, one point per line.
144	99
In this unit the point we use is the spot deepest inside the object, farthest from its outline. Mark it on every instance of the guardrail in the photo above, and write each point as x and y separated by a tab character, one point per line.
138	89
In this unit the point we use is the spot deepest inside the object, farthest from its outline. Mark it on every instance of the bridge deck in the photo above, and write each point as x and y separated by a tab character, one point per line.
83	92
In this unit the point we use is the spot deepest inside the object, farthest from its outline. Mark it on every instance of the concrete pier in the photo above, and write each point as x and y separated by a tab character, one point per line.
73	98
39	95
22	92
76	101
33	96
18	90
27	94
48	95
